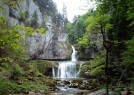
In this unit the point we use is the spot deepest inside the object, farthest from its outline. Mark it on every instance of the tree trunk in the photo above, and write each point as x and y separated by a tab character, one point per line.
106	71
105	44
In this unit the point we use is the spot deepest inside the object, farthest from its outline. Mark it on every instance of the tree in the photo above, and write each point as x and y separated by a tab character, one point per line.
128	58
77	29
99	24
115	21
64	17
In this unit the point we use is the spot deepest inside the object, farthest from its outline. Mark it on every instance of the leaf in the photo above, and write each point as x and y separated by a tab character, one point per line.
40	30
1	10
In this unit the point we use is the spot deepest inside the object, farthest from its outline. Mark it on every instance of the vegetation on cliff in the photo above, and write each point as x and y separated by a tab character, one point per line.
17	74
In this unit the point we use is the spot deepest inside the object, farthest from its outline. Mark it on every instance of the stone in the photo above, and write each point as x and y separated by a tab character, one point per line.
87	53
32	93
66	82
42	91
82	86
74	85
78	81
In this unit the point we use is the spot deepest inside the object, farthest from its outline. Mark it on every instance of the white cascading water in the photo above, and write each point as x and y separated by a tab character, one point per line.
73	56
67	69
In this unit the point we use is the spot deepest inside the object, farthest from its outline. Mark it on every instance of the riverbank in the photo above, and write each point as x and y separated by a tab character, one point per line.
26	85
26	76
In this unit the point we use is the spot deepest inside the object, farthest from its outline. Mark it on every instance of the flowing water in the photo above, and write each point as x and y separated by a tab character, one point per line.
68	69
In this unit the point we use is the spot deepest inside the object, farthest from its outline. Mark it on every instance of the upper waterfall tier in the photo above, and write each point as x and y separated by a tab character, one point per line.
67	69
73	56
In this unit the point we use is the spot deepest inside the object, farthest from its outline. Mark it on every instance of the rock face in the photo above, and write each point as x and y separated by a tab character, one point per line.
96	42
51	45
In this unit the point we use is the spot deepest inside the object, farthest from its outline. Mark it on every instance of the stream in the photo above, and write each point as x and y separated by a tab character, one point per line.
66	72
68	78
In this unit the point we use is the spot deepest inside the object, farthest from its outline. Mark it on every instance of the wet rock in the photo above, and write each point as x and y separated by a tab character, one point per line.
42	91
78	81
66	82
60	83
52	88
57	89
91	84
82	87
31	93
74	85
26	92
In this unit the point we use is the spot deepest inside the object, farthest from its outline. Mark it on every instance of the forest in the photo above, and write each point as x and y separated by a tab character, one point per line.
114	21
108	29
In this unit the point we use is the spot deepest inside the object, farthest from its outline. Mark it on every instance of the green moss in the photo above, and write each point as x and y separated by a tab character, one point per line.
22	16
42	65
10	87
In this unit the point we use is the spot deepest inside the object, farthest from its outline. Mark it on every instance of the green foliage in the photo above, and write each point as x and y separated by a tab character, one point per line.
95	66
32	70
16	71
13	49
40	30
128	55
77	29
121	17
95	21
7	87
84	41
11	40
22	16
4	64
130	11
71	33
42	65
98	64
12	3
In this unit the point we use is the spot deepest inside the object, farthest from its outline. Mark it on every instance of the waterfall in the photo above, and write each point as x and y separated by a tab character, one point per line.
73	56
67	69
53	72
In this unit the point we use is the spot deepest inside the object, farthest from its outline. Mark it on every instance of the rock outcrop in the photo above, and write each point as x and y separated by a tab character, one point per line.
51	45
95	46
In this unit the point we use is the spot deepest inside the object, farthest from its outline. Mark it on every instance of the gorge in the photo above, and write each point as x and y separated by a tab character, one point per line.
42	53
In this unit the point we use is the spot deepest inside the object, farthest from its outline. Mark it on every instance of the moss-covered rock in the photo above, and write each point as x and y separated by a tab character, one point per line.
85	69
43	65
84	53
78	81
